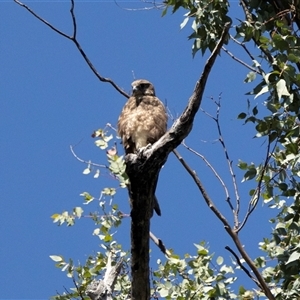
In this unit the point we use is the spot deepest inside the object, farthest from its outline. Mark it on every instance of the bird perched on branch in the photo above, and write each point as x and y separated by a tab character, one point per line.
143	120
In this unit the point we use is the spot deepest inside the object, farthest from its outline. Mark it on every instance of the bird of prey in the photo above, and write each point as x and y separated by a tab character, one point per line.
143	121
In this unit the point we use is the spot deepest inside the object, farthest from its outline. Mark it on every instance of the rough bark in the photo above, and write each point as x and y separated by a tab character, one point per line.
103	289
143	171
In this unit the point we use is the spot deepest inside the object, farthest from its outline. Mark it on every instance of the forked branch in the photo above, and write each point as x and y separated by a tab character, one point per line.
233	234
73	38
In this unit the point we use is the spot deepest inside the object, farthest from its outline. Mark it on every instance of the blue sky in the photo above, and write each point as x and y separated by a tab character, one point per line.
50	100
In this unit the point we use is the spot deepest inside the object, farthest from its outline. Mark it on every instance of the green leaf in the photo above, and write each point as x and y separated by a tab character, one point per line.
220	260
242	165
56	258
294	256
250	77
242	116
264	90
185	21
250	174
255	111
281	88
164	11
78	211
86	171
163	292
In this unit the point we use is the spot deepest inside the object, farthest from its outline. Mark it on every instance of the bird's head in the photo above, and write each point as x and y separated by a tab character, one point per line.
142	87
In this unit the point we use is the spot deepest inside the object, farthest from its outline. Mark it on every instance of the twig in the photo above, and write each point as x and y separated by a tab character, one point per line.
243	46
74	40
259	69
249	18
154	6
207	199
229	161
232	233
85	161
240	61
255	198
77	288
242	267
159	243
212	169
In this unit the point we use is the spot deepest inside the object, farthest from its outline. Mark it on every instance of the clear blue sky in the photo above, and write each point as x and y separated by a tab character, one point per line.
50	100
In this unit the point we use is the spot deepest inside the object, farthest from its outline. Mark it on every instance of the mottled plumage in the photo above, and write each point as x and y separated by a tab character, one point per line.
143	120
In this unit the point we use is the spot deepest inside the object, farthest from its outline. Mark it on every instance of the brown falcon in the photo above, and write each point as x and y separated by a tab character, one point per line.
143	120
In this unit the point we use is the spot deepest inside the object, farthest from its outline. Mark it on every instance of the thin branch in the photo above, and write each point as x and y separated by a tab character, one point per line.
159	243
73	20
77	44
242	267
77	288
85	161
259	70
232	233
249	18
255	198
243	46
212	169
42	20
153	6
229	161
207	199
240	61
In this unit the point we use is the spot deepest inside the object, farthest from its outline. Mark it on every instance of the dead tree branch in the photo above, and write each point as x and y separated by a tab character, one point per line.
240	61
241	266
73	38
232	233
143	169
159	243
257	193
87	162
212	169
229	162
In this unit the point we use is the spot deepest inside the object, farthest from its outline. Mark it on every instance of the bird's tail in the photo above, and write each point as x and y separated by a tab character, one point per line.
156	206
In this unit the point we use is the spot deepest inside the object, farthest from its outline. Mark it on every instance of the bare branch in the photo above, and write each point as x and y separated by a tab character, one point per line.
259	69
42	20
159	243
212	169
229	161
153	4
242	267
77	44
73	20
255	197
85	161
207	199
78	289
232	233
183	125
240	61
